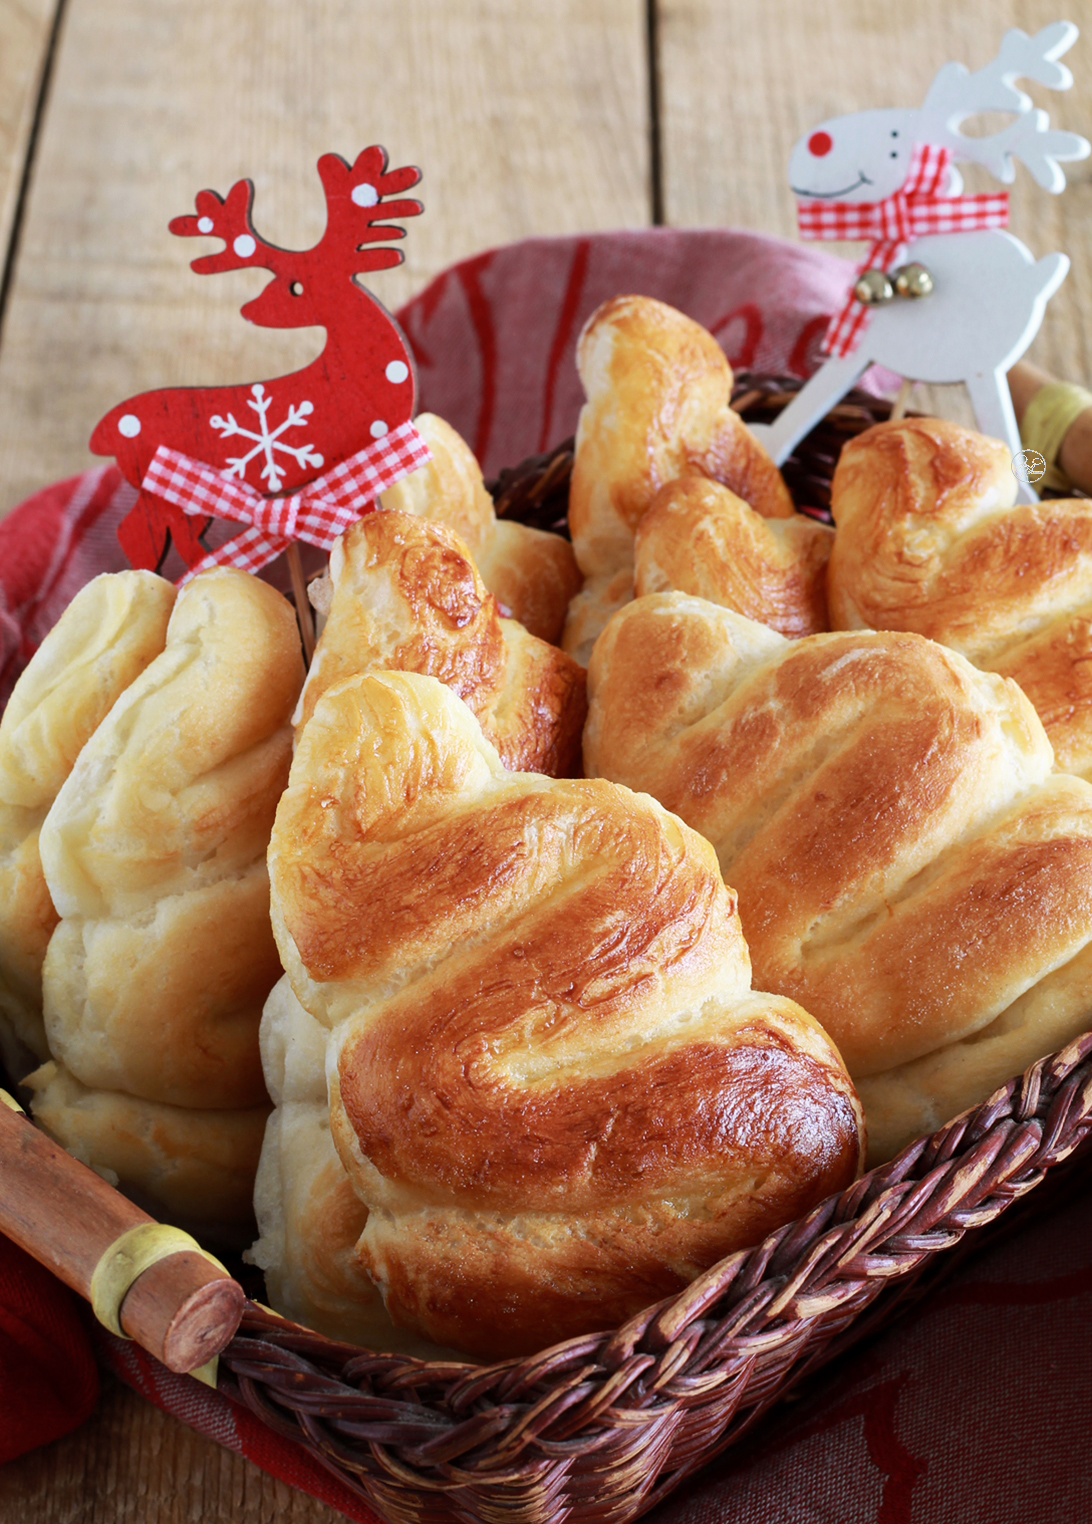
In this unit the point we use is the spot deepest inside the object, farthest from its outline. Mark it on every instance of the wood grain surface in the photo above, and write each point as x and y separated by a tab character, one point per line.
525	119
25	32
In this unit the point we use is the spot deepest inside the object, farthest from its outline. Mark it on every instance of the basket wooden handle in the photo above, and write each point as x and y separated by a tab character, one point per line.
182	1309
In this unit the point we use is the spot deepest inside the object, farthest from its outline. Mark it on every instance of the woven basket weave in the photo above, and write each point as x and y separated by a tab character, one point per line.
604	1426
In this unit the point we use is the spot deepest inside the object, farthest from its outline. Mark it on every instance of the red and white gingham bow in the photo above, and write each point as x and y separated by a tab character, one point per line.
917	207
318	513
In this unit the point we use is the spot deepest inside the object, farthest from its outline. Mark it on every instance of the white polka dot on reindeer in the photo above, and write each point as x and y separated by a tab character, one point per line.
378	429
205	224
365	195
129	425
244	246
397	370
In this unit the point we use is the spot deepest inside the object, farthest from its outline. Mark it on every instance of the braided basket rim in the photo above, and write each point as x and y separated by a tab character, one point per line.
603	1427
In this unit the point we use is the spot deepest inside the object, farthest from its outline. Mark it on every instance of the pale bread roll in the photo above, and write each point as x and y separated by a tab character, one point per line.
930	538
154	855
192	1166
309	1216
658	389
549	1078
907	864
406	596
105	638
532	573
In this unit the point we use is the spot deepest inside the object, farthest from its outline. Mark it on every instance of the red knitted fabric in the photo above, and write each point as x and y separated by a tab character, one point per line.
48	1380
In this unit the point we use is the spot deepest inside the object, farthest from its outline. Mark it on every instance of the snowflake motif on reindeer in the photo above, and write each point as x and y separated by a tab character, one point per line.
268	441
888	176
169	444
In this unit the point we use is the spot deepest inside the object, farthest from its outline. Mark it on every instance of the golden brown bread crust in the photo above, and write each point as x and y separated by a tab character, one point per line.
532	573
658	389
907	865
105	638
407	597
698	537
154	850
928	539
549	1078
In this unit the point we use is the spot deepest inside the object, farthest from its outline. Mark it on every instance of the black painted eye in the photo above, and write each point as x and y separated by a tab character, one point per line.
894	132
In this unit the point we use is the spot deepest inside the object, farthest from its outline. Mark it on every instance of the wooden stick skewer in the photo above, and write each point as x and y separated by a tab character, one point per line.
182	1309
902	401
303	606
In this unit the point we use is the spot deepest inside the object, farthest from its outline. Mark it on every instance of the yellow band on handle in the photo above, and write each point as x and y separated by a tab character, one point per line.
1047	419
9	1100
127	1258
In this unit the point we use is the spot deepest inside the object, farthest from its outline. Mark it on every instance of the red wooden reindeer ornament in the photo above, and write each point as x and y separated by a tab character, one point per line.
254	453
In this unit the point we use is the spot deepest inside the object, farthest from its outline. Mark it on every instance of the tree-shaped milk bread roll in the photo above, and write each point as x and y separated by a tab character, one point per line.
105	638
908	865
658	389
530	572
549	1078
406	596
930	538
154	854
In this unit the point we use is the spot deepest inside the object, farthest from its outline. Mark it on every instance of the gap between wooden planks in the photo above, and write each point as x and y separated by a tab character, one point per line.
26	30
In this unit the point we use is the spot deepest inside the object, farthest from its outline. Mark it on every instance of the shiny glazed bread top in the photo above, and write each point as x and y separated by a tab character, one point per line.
550	1079
906	863
406	596
930	539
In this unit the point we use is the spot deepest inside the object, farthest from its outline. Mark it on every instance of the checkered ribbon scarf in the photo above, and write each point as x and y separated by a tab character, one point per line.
916	208
319	513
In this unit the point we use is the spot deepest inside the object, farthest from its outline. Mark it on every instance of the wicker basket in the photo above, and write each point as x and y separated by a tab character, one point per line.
606	1425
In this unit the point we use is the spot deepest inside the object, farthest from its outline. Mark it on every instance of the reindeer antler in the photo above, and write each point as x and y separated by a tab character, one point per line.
227	218
957	94
356	216
356	211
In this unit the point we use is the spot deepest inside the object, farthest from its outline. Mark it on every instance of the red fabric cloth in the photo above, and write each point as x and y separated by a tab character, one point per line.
975	1406
48	1379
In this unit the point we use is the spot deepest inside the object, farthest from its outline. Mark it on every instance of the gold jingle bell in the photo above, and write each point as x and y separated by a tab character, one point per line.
913	281
873	288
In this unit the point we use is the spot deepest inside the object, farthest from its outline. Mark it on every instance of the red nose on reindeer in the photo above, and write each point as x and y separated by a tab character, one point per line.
820	143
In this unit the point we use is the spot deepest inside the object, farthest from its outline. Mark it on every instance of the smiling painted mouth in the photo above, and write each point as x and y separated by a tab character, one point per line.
814	195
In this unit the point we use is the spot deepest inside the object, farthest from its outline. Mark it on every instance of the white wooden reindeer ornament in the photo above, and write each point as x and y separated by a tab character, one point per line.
888	176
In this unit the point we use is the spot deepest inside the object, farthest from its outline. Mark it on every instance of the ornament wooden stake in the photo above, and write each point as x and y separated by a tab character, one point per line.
902	401
302	602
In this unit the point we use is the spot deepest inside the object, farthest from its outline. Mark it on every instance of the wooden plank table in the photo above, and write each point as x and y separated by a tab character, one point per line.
565	115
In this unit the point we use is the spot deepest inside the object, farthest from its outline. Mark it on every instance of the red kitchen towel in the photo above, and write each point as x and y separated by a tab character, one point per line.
48	1379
